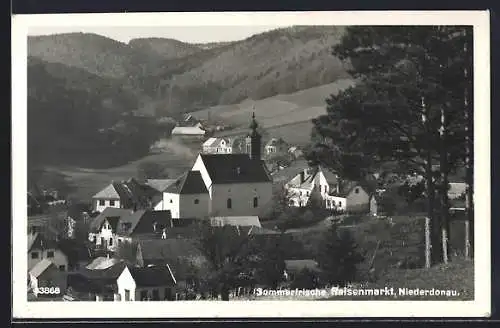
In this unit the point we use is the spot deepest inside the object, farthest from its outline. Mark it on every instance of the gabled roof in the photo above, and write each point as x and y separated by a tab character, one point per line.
38	241
188	130
143	222
159	184
41	267
248	221
234	168
209	142
109	192
108	212
102	263
152	276
189	183
128	192
111	272
167	250
113	222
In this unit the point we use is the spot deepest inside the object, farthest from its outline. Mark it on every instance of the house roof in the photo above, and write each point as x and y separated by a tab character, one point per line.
299	265
39	241
249	221
160	184
143	222
167	250
188	130
209	142
234	168
128	192
108	212
111	272
101	263
189	183
40	267
310	176
152	276
113	222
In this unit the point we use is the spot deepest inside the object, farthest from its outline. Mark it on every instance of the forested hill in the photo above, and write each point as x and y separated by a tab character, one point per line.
181	77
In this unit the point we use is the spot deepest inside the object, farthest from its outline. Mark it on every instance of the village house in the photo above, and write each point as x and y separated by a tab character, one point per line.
46	274
161	252
187	197
152	283
218	146
114	226
97	282
334	193
40	248
126	194
237	184
275	146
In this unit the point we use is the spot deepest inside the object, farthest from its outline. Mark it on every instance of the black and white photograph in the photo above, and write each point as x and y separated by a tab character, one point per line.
245	164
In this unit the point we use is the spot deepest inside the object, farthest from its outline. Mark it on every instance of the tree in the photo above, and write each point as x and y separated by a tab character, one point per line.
307	279
151	170
228	252
338	256
406	81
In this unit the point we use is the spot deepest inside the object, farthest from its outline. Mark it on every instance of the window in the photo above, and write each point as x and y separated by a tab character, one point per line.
62	268
156	295
229	203
144	295
102	241
171	202
255	202
356	190
119	241
94	239
102	202
127	295
325	189
111	203
110	241
34	255
196	201
50	254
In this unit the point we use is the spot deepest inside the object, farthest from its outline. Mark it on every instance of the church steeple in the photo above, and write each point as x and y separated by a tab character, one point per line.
253	140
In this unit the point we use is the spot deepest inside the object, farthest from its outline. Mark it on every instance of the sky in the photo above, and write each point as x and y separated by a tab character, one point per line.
189	34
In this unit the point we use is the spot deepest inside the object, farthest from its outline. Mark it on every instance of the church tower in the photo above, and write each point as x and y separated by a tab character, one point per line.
253	141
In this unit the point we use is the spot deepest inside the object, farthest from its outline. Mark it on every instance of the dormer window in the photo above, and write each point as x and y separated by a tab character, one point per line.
356	190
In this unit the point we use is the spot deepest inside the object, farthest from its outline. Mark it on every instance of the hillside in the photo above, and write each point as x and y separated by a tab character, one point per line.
288	116
94	53
165	48
179	77
67	108
276	62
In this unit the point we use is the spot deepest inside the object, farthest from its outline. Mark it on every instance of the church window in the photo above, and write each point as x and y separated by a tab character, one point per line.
229	203
196	201
255	202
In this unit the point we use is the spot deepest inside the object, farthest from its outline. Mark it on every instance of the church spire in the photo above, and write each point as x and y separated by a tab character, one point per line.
253	141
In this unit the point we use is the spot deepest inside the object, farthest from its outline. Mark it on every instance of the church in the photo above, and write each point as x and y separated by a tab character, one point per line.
233	184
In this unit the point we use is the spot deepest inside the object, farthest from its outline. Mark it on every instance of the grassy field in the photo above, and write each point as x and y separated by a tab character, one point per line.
286	115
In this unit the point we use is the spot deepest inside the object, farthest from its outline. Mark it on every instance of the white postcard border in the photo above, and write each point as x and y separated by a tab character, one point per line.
239	309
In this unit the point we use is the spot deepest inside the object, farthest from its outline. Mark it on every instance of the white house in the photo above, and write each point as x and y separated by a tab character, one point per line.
152	283
276	146
335	194
187	197
315	180
40	248
114	226
126	194
217	146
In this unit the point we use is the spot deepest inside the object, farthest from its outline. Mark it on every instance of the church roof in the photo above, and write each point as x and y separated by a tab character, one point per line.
189	183
234	168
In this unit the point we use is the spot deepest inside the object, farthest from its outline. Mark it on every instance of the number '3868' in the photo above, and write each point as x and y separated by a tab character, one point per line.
48	290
